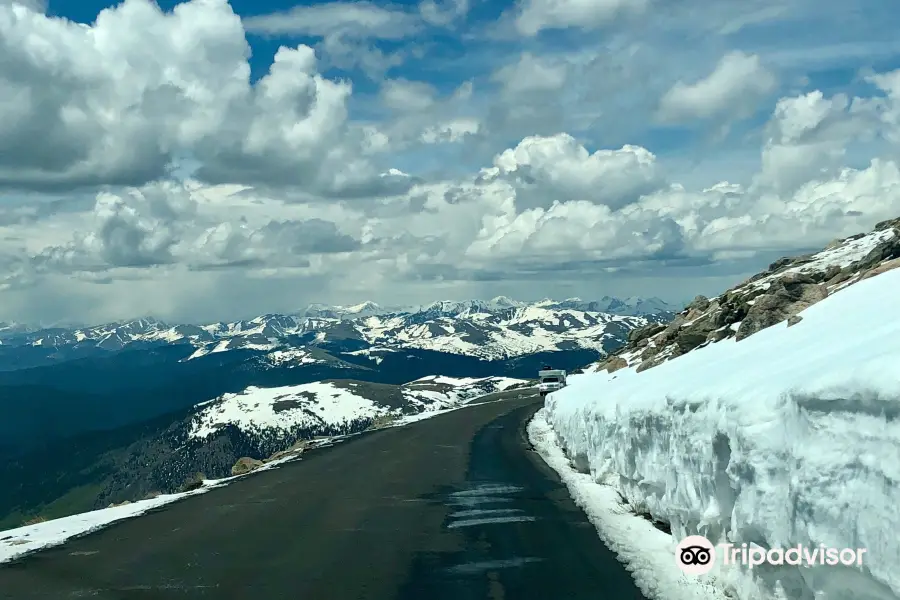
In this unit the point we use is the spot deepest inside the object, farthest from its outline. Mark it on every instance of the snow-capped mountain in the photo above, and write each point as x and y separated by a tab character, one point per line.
494	329
364	309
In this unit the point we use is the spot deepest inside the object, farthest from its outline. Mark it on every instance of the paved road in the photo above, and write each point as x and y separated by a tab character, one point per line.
455	507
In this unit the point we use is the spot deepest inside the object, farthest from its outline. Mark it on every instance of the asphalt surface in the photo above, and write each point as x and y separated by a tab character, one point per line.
455	507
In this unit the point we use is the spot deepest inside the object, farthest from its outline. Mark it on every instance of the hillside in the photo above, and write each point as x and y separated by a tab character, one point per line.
130	463
778	294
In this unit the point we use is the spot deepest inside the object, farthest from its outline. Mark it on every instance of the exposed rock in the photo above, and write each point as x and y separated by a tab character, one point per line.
194	483
245	465
717	335
840	277
649	364
614	363
882	268
649	352
699	303
788	297
895	223
780	264
694	334
786	288
295	450
645	332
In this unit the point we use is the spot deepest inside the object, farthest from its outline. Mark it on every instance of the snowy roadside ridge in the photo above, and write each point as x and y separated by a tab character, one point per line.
778	294
647	553
787	437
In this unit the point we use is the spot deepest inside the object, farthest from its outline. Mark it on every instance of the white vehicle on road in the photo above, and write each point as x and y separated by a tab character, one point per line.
551	380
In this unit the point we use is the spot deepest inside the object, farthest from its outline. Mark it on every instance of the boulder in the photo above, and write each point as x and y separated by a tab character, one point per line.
700	303
882	268
193	483
645	332
717	335
787	297
793	320
614	363
840	277
244	465
695	334
895	223
295	450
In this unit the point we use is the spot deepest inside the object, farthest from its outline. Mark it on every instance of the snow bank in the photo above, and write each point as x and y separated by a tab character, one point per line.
789	436
23	540
15	543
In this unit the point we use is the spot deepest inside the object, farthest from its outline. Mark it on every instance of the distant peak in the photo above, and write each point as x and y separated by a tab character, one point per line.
367	305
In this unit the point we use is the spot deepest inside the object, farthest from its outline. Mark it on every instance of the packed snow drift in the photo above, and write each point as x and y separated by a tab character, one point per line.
789	436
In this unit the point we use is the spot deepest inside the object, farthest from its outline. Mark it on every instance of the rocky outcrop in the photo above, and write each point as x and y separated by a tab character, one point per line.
788	287
244	465
295	450
785	298
613	364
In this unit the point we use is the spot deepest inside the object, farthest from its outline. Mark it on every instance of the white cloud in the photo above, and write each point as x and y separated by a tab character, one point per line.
734	88
402	95
558	169
129	104
532	74
534	16
355	19
452	131
443	13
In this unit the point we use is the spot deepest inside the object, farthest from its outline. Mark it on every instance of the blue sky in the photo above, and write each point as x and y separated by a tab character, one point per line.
435	148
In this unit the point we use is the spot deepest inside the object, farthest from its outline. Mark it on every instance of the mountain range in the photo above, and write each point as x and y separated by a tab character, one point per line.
496	329
108	413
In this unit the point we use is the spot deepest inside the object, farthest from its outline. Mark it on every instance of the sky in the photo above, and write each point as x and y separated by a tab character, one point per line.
207	160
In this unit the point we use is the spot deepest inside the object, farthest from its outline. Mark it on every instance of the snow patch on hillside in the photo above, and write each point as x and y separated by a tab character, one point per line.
789	436
281	408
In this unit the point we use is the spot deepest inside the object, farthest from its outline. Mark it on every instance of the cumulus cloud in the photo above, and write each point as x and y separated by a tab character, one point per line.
735	87
128	105
168	223
552	169
137	229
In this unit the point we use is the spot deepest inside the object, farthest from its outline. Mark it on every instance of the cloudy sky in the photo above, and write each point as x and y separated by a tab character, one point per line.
211	160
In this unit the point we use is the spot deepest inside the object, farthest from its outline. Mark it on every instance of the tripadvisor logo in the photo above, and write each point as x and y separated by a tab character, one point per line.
696	555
